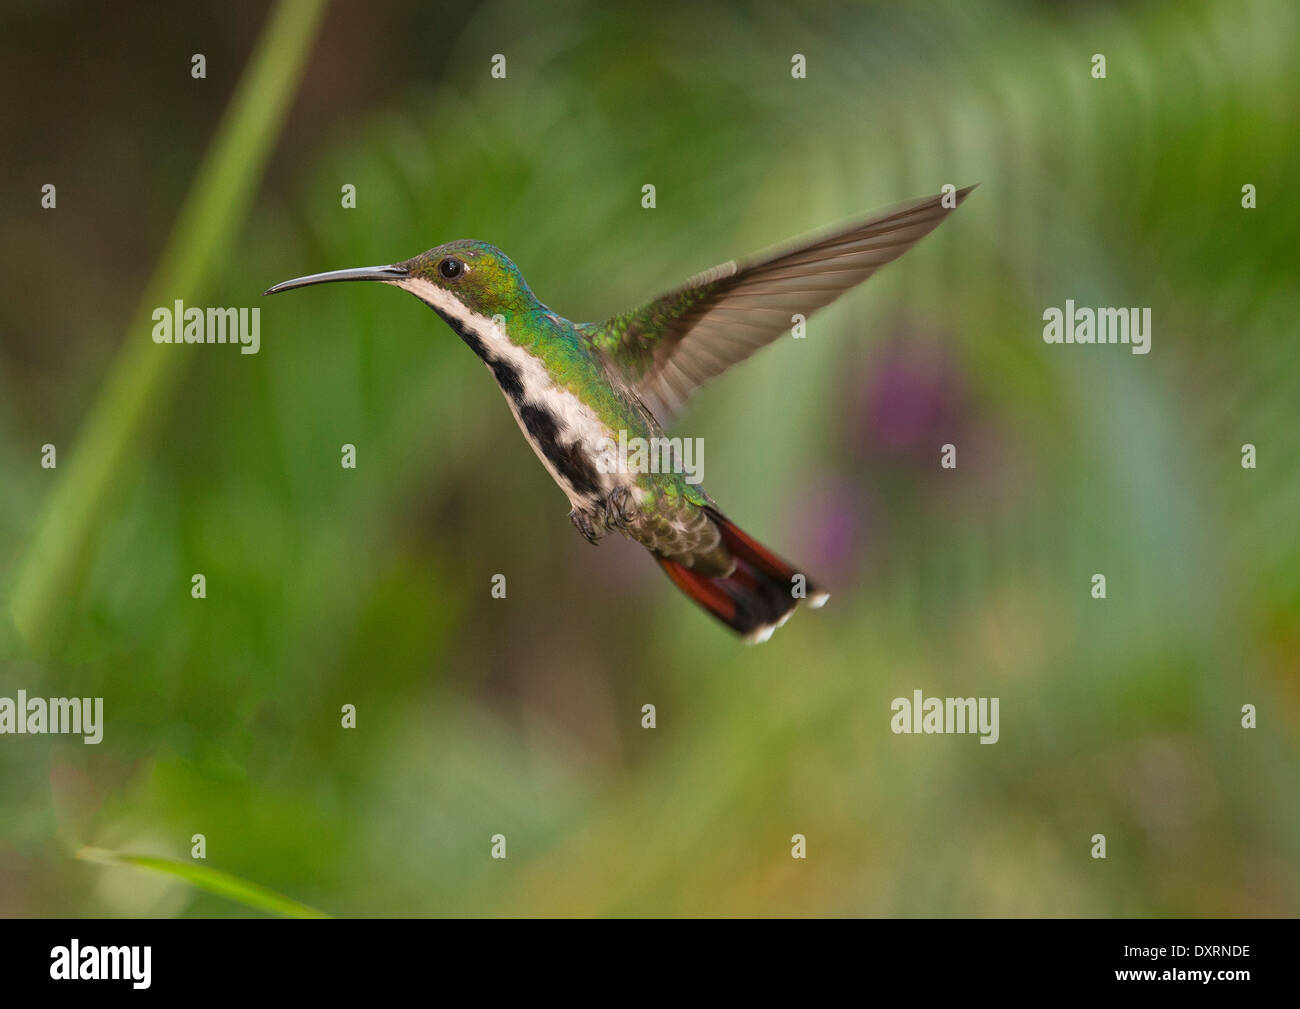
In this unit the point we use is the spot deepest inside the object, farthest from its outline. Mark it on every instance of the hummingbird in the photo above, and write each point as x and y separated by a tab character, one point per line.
577	388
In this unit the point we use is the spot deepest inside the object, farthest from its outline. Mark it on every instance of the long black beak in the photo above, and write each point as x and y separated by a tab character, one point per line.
389	273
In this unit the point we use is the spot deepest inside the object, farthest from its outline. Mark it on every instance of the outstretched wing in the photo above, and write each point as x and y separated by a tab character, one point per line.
666	348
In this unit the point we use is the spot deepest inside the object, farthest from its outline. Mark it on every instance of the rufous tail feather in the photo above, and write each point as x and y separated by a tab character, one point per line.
758	596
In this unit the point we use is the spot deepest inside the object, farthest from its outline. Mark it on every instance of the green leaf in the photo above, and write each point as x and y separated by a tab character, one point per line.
223	884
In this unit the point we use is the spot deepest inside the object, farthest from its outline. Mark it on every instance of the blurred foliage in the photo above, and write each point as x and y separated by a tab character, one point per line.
521	716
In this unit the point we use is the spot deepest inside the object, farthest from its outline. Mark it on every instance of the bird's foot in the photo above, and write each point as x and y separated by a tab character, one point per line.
582	522
620	509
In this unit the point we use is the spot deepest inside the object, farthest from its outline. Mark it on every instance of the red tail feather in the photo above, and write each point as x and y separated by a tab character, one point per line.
760	593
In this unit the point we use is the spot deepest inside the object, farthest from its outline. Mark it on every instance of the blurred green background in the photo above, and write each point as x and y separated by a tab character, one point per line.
478	716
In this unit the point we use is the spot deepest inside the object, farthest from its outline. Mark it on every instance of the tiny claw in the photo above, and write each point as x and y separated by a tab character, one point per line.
582	522
620	509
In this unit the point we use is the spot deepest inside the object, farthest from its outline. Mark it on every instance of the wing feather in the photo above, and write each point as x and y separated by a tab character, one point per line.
671	345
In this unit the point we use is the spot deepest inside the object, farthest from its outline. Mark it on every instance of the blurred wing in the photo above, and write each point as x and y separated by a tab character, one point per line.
684	338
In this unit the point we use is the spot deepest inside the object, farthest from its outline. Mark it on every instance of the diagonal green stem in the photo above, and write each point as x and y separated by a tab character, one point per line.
138	388
223	884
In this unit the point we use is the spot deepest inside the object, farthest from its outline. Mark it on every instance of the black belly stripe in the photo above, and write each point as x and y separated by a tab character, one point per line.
569	460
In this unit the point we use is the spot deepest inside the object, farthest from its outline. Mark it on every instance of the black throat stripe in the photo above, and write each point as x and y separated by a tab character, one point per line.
569	460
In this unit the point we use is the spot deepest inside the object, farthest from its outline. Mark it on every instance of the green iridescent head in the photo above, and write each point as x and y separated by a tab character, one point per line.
478	275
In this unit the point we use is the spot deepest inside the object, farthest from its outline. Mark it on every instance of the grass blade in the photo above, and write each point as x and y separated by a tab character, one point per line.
223	884
138	387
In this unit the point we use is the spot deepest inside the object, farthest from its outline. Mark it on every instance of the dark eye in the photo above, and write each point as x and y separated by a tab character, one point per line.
450	268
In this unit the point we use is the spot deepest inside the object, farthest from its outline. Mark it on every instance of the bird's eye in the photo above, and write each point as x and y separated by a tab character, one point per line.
451	268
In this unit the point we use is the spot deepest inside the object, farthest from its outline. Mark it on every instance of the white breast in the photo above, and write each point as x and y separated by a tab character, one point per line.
576	421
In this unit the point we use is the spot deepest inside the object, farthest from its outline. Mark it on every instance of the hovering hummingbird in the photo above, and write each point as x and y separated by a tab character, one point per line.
575	387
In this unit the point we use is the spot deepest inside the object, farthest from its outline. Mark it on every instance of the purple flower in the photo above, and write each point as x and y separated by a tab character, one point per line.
910	402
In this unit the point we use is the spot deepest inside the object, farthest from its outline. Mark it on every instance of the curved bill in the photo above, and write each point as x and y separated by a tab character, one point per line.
389	273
